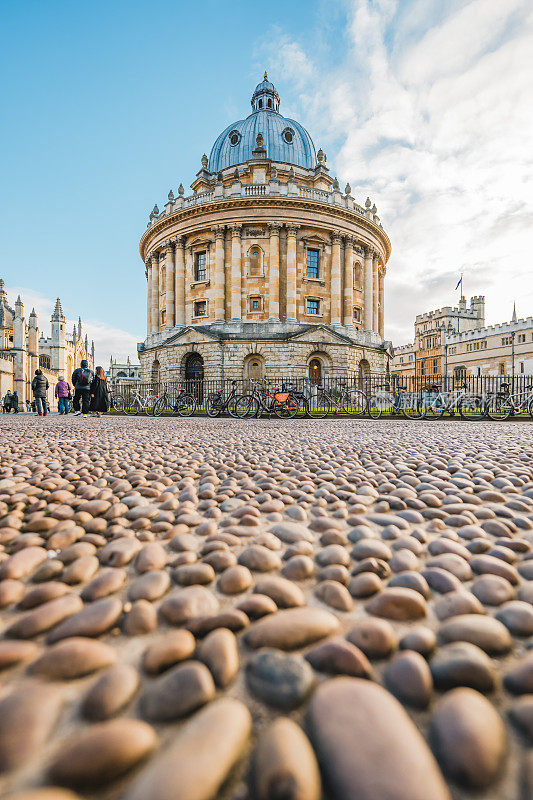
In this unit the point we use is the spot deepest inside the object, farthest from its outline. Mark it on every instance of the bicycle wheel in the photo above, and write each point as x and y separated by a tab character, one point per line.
240	406
214	405
433	408
129	406
355	403
472	407
185	405
161	406
118	404
530	407
413	407
319	405
286	410
375	406
499	407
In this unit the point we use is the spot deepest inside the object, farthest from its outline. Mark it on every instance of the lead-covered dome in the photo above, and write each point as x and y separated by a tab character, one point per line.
284	139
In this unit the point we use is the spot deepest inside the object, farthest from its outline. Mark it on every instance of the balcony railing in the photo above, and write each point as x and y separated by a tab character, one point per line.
274	188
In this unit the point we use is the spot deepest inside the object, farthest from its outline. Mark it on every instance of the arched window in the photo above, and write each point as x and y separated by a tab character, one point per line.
156	371
260	104
270	103
256	260
44	361
315	370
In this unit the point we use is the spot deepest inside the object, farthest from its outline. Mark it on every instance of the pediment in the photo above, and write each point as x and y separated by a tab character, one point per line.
320	334
190	335
314	239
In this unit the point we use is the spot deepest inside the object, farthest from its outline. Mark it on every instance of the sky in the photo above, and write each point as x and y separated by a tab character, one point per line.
422	105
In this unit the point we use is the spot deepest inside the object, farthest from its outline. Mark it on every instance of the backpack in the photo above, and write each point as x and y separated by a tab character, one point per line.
86	377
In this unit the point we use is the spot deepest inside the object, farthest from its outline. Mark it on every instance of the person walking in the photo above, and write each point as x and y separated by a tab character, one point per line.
39	385
82	377
6	407
15	402
99	393
62	392
28	406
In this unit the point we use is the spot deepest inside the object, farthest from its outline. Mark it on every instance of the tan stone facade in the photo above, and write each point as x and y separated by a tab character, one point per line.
266	259
427	355
23	349
505	349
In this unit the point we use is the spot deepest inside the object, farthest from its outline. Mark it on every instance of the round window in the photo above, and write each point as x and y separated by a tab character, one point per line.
288	135
234	138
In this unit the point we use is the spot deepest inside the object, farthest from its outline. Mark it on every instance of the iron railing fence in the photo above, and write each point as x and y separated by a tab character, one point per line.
339	393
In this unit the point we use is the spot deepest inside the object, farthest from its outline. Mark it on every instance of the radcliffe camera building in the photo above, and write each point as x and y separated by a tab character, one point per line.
268	268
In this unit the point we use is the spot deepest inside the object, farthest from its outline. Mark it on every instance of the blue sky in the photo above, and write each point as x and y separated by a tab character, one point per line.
419	103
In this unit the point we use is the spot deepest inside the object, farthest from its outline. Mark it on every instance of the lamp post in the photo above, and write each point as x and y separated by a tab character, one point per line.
513	333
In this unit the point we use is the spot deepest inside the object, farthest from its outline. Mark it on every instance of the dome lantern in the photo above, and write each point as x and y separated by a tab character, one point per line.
284	140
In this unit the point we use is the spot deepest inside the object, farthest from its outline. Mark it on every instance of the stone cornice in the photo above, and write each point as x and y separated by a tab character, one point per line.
240	203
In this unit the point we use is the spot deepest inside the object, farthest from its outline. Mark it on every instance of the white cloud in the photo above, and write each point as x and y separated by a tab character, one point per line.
428	111
107	339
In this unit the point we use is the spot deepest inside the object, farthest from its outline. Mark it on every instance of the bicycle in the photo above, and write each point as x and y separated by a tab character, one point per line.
436	403
135	403
183	404
397	401
348	401
215	405
283	404
502	404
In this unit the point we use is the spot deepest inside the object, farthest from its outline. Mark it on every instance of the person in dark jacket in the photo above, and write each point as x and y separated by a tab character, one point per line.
39	385
81	380
99	393
15	402
7	402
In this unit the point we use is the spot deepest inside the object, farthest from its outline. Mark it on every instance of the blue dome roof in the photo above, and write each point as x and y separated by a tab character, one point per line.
284	139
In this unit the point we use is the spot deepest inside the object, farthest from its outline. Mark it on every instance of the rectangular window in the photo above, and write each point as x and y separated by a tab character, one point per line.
200	308
521	338
357	314
255	304
163	317
522	367
502	369
313	306
200	267
312	264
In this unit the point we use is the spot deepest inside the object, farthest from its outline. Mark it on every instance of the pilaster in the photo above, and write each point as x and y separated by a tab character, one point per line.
292	231
335	283
273	273
236	255
169	288
368	292
218	290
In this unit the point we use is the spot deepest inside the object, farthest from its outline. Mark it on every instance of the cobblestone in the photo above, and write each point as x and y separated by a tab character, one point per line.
240	535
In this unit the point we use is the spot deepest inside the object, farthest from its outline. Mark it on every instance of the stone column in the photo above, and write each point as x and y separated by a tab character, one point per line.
219	279
236	272
335	281
291	273
375	292
381	326
179	297
169	288
148	297
348	281
189	278
273	273
155	292
368	287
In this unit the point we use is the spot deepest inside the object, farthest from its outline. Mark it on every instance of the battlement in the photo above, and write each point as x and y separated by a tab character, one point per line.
519	326
403	348
476	310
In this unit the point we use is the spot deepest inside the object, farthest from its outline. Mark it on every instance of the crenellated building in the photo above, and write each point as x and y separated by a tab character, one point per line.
268	268
23	350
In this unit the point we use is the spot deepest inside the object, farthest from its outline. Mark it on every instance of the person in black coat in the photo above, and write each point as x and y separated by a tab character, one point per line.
82	379
99	393
39	385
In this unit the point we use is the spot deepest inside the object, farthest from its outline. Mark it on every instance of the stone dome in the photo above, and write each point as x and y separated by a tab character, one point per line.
285	140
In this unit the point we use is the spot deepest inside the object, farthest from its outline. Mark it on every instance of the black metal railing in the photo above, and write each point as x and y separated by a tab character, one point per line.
338	394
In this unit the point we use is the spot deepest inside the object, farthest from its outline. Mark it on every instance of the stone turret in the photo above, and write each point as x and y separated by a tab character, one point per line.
33	343
58	344
20	356
79	328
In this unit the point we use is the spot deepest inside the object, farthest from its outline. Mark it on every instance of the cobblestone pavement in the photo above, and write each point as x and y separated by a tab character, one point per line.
197	609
